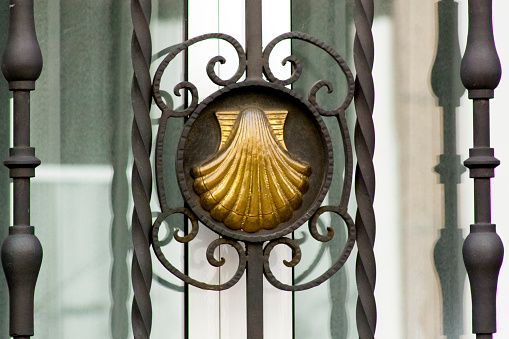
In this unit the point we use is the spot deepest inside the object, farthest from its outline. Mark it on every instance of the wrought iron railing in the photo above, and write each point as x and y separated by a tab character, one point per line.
264	102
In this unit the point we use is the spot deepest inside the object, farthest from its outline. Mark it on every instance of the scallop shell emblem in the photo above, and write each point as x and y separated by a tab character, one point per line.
252	182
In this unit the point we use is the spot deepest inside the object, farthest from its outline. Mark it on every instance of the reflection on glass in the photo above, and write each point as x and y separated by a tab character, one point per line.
447	87
4	177
334	313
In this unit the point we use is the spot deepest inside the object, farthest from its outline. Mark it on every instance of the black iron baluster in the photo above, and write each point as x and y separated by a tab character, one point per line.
21	251
483	250
141	139
365	173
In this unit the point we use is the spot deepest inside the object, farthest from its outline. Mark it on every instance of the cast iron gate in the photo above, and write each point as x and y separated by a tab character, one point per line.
261	173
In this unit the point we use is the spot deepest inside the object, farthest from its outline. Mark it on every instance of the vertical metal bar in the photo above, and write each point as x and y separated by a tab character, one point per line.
365	174
21	139
254	286
254	39
141	139
483	250
186	219
21	250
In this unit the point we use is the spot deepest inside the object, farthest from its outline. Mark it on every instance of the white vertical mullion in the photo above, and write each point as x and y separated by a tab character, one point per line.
388	247
203	305
230	321
278	307
232	308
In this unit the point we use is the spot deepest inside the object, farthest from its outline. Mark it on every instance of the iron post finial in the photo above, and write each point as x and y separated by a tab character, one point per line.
480	67
22	58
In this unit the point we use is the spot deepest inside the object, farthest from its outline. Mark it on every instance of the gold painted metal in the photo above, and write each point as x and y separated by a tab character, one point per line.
252	182
276	120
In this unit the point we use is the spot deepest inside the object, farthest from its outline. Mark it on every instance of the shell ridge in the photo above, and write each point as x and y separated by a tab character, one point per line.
252	182
272	214
284	211
227	178
285	188
250	191
289	189
239	174
217	159
226	204
297	178
213	179
243	199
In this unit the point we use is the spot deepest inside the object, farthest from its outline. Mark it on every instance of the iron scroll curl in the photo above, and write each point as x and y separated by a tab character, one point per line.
210	251
186	85
296	252
297	71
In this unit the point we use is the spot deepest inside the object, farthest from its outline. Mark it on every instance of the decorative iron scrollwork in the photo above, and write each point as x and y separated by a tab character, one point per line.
297	252
298	71
254	162
212	174
186	85
210	251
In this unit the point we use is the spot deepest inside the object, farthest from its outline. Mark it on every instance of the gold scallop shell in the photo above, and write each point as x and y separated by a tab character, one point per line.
252	182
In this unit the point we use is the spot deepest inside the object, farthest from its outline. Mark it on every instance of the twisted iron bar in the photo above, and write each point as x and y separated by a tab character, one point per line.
365	175
141	50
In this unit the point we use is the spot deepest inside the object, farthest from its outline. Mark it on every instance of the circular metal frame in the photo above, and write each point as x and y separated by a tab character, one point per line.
317	152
